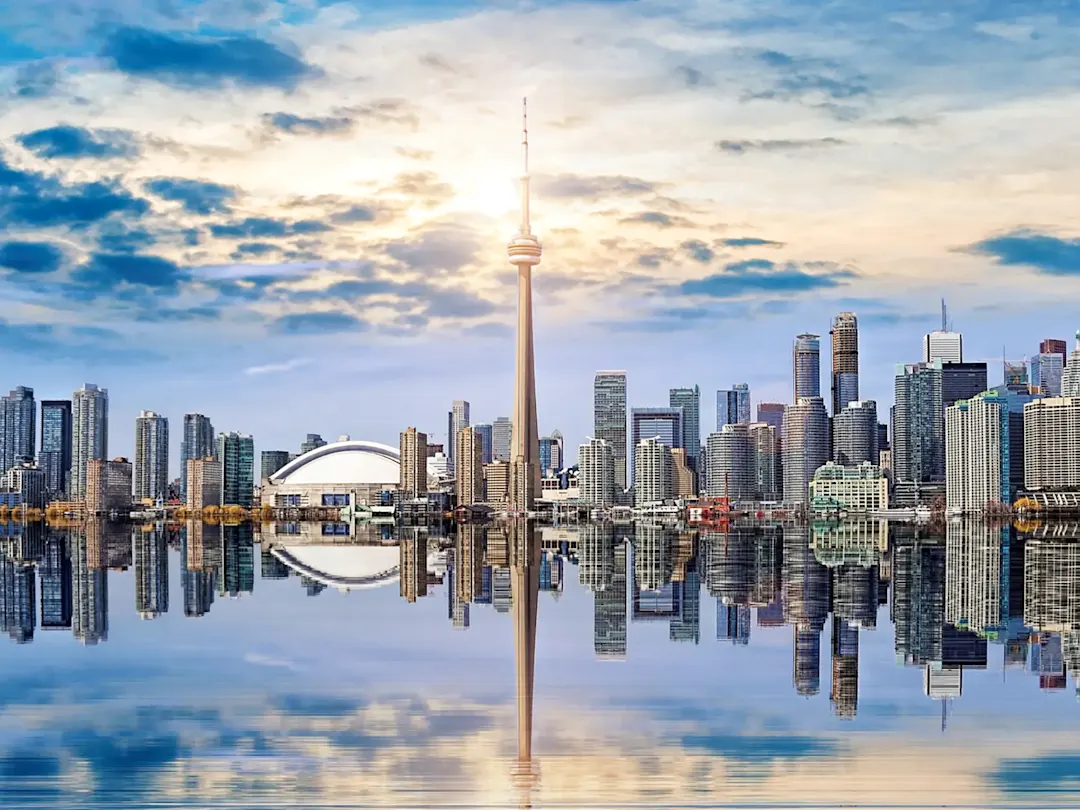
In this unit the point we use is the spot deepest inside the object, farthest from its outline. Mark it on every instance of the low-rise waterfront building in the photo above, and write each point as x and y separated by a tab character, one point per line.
863	488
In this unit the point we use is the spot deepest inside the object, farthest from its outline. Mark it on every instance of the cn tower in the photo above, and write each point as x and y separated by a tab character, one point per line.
524	253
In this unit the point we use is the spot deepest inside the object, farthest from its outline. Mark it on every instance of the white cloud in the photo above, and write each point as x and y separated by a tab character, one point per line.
278	368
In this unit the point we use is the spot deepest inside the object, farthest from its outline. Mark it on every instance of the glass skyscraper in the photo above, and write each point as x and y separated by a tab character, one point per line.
609	418
487	442
271	462
806	362
845	361
236	453
665	424
55	456
151	456
500	439
689	399
17	423
733	406
198	442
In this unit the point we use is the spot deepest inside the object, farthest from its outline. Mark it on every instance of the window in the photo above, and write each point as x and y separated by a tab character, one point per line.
329	529
335	500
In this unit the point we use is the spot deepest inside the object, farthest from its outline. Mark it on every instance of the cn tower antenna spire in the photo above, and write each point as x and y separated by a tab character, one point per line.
526	228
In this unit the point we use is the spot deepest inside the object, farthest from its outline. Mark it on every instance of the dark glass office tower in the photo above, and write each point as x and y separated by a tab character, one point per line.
55	457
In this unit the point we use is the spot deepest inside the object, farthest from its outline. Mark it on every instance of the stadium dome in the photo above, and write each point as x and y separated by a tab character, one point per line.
337	463
345	567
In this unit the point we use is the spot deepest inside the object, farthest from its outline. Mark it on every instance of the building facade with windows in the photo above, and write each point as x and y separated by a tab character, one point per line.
862	488
108	486
151	457
55	456
89	434
609	419
351	473
204	483
236	452
1052	444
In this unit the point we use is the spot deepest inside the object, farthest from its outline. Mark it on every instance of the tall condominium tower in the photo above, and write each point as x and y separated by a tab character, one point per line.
918	444
523	251
596	473
807	366
855	434
609	418
89	433
468	455
845	360
977	453
17	422
236	453
197	442
413	456
806	445
55	456
1070	379
1052	444
730	459
653	477
501	433
151	456
689	399
664	424
733	406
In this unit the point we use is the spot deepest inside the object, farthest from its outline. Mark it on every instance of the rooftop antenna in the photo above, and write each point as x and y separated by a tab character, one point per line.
944	325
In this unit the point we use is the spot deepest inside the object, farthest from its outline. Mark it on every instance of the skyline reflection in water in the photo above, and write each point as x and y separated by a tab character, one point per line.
841	657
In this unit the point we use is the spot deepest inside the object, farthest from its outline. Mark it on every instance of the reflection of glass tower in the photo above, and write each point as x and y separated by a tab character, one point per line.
90	590
237	560
272	567
55	573
412	548
609	616
733	623
918	608
151	573
200	549
845	668
806	606
686	626
976	583
17	611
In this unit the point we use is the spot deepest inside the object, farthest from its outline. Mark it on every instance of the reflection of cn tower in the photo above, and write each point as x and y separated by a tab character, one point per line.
806	606
525	584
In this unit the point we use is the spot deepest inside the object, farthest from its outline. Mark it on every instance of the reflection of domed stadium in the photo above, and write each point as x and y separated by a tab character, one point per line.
342	566
345	473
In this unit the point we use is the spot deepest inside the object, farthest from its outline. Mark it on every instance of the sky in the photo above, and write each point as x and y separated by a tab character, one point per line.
293	216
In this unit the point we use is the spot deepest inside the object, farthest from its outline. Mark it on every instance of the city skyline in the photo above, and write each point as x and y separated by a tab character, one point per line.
211	262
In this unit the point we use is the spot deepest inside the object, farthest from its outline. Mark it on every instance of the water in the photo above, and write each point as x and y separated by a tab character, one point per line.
204	666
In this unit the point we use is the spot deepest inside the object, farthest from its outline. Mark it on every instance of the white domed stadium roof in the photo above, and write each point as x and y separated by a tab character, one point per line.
345	566
347	462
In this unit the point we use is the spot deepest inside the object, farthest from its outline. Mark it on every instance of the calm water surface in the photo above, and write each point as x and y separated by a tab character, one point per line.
329	665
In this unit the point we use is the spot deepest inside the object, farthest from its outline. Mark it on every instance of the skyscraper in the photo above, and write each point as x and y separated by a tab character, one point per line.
413	462
198	442
17	423
733	406
459	418
501	435
313	441
855	433
943	345
977	453
270	461
55	456
689	399
1070	378
596	473
609	418
487	441
806	363
1046	372
1053	346
236	453
524	253
662	423
1052	444
806	445
730	463
151	456
918	445
772	413
89	434
845	360
765	455
470	467
653	472
203	483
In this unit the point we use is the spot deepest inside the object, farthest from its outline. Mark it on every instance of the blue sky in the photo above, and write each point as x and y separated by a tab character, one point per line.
292	216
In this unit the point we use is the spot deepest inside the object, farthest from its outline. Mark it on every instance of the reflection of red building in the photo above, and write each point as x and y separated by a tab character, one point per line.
1051	681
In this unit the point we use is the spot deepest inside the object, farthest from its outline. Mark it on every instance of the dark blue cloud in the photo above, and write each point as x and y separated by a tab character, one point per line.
318	323
698	250
30	257
65	141
760	275
105	271
125	240
190	62
249	288
1049	773
179	315
30	198
256	248
749	241
355	213
267	228
1045	253
196	196
299	125
36	80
